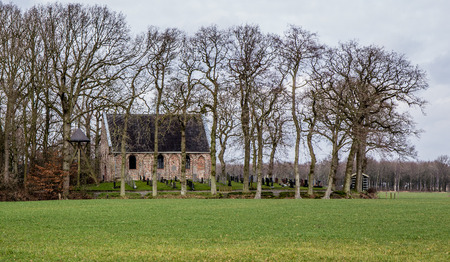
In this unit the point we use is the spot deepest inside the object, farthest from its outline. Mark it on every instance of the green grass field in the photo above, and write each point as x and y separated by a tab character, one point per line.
142	186
412	227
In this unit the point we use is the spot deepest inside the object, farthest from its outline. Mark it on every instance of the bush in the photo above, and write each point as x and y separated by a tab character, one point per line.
338	195
371	193
15	194
80	195
45	181
372	190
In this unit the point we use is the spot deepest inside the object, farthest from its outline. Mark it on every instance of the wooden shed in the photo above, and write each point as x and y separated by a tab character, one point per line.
365	182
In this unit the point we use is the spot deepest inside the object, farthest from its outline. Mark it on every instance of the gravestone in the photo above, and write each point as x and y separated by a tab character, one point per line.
291	183
191	185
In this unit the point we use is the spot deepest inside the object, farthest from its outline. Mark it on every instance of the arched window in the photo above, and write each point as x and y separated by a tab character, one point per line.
188	162
201	164
160	162
132	162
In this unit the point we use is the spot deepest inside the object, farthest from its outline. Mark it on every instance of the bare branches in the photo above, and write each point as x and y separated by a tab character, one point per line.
63	63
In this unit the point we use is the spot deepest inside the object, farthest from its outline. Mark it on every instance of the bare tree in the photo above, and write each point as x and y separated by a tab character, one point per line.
331	125
250	57
226	125
376	82
275	124
297	47
163	49
263	99
134	84
181	96
212	45
85	46
36	79
310	117
12	78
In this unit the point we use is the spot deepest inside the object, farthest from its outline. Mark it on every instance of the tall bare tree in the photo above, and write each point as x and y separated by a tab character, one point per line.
85	46
228	121
263	100
275	124
212	46
296	49
377	83
250	57
310	117
12	78
182	97
164	48
134	85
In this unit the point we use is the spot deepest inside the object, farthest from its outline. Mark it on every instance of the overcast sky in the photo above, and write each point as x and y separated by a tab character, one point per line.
420	29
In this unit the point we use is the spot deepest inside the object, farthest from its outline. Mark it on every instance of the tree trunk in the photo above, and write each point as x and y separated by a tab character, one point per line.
349	167
213	152
333	170
260	161
245	129
360	156
255	159
271	160
45	151
312	166
297	137
7	145
123	154
183	156
66	154
155	150
222	161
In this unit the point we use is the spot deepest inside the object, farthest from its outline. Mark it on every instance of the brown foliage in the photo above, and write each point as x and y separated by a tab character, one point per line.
45	181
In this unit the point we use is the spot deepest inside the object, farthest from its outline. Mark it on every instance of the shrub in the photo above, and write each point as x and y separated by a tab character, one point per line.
45	181
15	194
372	190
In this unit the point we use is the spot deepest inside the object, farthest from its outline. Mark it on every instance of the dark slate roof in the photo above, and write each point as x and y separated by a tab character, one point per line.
79	136
141	133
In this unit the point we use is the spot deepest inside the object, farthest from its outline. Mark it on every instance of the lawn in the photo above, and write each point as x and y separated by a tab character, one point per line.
142	186
409	228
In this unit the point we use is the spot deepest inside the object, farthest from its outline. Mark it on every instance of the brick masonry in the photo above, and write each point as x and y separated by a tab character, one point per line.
110	164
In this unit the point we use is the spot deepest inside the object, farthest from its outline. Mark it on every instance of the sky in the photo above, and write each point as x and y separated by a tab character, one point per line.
419	29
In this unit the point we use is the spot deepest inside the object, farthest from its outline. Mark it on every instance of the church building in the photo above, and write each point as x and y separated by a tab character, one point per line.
140	147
